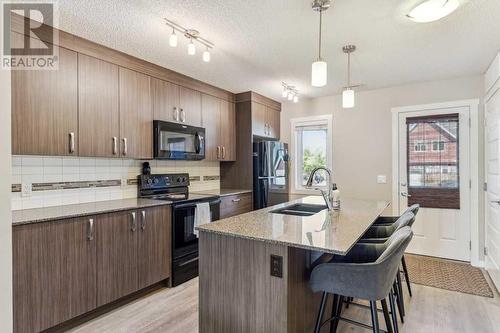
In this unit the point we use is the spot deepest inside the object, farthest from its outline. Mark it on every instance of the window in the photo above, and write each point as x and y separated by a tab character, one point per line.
437	145
433	176
311	149
420	146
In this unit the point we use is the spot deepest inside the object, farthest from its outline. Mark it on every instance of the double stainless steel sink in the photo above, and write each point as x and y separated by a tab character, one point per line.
300	209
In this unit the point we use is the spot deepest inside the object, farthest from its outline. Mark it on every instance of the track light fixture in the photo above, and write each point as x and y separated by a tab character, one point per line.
290	92
193	36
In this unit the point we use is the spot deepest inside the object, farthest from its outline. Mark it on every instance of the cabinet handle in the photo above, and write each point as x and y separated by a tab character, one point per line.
183	115
115	145
223	152
90	230
143	221
218	152
133	223
176	113
236	200
71	142
125	147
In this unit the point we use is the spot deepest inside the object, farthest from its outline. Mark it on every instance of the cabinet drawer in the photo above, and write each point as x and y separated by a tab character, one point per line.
235	204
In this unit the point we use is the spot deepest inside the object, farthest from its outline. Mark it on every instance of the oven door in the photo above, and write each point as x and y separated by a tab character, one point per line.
174	141
184	240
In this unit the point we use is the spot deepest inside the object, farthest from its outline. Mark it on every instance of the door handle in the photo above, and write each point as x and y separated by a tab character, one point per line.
125	147
133	222
176	114
404	194
143	221
71	142
183	115
496	201
115	145
90	230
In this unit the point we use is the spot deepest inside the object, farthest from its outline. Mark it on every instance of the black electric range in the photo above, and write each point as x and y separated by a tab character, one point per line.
174	187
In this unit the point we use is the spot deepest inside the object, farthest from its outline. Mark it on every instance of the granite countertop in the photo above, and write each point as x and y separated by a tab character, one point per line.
332	233
36	215
223	192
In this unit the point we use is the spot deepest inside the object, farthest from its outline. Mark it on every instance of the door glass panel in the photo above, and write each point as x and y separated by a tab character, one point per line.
433	161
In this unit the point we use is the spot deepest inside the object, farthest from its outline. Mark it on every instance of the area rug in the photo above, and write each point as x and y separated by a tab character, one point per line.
447	274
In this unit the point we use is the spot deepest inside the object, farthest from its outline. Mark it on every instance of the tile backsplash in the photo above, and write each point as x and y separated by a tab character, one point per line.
70	180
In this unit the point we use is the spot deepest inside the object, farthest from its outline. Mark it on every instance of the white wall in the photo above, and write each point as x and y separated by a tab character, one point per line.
362	136
5	212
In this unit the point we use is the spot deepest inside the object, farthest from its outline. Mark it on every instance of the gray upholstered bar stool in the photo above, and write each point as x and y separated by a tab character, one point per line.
367	272
384	220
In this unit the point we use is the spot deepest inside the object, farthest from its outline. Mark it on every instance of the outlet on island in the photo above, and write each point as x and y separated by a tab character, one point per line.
276	266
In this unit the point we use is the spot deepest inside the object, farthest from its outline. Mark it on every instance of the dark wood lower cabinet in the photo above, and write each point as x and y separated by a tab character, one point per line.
54	275
63	269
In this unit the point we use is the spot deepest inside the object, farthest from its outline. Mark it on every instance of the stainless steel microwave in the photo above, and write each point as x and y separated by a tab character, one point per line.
173	141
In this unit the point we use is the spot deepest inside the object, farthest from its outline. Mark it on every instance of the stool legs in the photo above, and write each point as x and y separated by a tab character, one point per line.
373	308
401	300
322	306
407	278
393	311
387	318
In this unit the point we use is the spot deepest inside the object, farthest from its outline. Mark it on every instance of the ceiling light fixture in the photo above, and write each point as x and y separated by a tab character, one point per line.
348	98
172	41
290	92
193	36
432	10
319	68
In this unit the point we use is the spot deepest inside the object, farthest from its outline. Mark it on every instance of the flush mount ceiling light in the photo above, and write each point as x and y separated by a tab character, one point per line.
348	98
290	92
319	68
193	36
432	10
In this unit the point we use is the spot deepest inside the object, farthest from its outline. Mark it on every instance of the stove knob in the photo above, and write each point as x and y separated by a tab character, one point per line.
156	181
183	179
150	181
179	180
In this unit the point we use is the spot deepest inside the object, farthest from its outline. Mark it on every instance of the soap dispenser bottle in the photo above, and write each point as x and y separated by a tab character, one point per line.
335	197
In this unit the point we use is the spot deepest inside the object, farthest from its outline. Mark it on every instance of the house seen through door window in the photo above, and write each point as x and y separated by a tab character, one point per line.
433	163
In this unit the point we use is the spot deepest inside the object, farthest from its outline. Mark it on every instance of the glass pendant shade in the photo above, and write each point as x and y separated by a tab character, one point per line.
348	98
206	56
318	73
172	41
284	93
433	10
295	99
191	48
290	96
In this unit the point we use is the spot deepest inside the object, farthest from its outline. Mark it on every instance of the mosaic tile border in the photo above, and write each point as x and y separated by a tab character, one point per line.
16	188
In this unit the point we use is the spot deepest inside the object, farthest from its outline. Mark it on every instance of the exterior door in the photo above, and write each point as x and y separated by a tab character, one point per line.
434	172
492	151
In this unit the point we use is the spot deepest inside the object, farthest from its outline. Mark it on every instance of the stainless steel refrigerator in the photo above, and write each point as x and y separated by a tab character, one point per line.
270	173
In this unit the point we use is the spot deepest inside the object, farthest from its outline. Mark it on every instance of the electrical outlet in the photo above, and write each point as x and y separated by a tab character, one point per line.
276	266
124	182
26	189
381	179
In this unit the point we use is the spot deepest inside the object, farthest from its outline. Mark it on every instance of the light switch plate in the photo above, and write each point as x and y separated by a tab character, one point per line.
381	179
124	182
26	189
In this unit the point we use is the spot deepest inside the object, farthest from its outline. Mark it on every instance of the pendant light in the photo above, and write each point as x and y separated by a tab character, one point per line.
191	48
319	68
206	55
172	41
348	93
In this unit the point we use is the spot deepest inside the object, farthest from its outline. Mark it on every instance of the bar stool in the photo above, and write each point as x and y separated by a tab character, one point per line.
381	220
367	272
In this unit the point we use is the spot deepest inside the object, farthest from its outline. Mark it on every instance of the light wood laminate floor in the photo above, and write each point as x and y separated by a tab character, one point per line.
430	310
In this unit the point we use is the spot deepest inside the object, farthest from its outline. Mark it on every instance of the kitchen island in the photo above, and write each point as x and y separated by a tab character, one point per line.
254	268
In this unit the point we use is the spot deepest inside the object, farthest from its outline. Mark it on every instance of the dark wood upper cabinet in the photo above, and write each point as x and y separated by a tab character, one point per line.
116	256
259	119
98	108
165	100
211	122
227	130
273	121
190	106
154	252
54	273
45	107
136	115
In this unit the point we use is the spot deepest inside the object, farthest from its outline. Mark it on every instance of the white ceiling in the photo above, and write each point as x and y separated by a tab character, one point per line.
259	43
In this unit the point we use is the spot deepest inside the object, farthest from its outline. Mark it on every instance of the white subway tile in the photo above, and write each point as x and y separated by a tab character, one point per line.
16	204
32	161
32	202
87	169
38	178
52	161
85	177
70	170
52	170
70	177
55	178
17	160
102	162
16	179
70	162
87	162
70	199
17	170
32	170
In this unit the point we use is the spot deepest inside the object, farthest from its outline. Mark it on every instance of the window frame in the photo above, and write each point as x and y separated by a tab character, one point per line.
438	145
296	160
418	143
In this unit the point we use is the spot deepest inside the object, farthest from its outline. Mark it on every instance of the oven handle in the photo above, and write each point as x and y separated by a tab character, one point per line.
188	262
191	204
